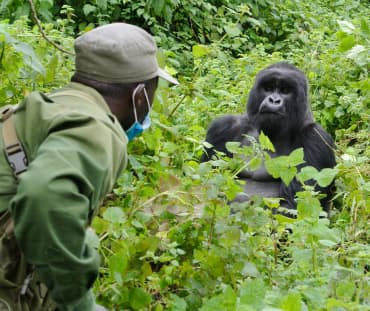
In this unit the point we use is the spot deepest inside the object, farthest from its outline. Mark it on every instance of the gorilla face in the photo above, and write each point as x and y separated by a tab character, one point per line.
278	99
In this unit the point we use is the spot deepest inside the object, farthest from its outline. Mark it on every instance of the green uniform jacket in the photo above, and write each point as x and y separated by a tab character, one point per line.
76	150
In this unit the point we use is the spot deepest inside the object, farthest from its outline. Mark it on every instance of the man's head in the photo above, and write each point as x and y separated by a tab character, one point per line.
115	59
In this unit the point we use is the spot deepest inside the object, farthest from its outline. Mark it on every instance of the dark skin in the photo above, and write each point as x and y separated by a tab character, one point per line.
278	106
119	98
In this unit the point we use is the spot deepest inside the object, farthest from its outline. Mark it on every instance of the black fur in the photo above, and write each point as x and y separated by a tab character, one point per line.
277	105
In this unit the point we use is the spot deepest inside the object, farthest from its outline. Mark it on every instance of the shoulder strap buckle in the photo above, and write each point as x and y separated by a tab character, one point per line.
17	158
6	112
13	148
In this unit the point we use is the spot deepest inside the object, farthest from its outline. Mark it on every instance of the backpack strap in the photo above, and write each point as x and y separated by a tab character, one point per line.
13	148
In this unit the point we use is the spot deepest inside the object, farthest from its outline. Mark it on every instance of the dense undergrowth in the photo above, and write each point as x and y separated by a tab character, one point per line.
169	240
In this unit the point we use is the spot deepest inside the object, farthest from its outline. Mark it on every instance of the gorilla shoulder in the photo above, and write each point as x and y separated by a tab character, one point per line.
222	130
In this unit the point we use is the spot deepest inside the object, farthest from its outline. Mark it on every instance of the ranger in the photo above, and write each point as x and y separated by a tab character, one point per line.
61	153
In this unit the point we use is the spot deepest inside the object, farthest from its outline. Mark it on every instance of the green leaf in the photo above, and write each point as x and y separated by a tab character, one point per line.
47	3
346	290
250	269
288	174
292	302
266	142
307	173
296	157
157	6
223	302
102	4
327	243
92	238
177	303
271	202
359	54
200	50
118	265
347	43
252	293
139	298
4	4
167	13
233	146
255	163
365	28
88	8
29	56
347	27
285	166
114	214
232	30
308	206
326	176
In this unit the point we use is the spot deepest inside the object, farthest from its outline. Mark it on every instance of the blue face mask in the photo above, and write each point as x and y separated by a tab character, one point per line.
137	128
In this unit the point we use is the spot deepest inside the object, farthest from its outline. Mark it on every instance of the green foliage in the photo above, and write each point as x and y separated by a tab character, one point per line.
27	62
169	237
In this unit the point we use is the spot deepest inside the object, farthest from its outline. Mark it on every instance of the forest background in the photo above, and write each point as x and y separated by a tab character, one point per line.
166	235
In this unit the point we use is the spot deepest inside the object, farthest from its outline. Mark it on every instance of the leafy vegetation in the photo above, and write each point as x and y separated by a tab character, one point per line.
169	240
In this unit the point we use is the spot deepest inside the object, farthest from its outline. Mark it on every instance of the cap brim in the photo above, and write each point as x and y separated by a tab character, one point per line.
165	75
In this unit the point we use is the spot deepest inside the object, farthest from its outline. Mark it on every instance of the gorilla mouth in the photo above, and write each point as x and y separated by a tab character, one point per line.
264	109
269	112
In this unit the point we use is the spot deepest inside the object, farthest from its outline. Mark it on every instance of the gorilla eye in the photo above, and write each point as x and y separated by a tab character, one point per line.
285	90
268	87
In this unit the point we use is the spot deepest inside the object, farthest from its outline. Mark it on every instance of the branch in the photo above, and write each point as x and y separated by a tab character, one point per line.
37	21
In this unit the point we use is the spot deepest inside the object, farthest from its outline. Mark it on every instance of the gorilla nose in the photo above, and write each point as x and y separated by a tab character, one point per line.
274	100
272	104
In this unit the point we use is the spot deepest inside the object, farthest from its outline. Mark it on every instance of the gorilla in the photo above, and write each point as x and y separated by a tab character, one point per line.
277	105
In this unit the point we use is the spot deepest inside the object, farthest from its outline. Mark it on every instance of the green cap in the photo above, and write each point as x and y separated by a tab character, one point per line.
118	53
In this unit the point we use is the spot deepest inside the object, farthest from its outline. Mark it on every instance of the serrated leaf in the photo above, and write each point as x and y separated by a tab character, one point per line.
287	175
326	176
296	157
308	206
266	142
307	173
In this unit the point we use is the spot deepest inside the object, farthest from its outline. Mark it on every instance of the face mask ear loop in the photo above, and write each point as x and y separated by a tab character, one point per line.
147	99
133	100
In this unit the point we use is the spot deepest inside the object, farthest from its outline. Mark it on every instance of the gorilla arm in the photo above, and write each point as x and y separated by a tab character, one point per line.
234	128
